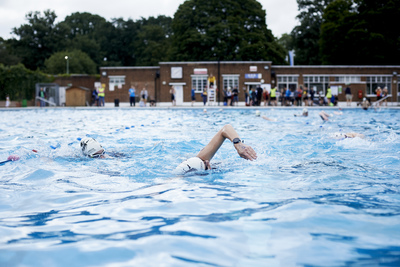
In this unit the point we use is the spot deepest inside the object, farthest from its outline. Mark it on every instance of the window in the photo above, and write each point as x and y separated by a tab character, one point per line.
288	81
231	81
374	82
199	82
348	79
116	81
318	83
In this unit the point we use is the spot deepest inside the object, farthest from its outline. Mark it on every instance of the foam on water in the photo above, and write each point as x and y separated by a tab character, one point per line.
307	200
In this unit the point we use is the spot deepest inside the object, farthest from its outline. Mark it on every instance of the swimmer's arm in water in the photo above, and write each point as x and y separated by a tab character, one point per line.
353	135
208	152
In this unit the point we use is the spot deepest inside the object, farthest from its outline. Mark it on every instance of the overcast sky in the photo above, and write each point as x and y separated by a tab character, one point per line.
281	14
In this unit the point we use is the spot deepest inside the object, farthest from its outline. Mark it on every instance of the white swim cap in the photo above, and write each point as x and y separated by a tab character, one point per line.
90	147
339	136
305	110
258	113
192	164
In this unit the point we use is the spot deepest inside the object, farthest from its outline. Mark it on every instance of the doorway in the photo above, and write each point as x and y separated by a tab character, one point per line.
178	94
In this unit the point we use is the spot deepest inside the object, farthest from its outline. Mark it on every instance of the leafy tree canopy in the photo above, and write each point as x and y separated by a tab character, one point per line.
223	30
78	62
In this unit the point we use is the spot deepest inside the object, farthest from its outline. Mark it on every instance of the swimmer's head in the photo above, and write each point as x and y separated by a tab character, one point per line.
258	113
91	148
190	165
338	136
305	110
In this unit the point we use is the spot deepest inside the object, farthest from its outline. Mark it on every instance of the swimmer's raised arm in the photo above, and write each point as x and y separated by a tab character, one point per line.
227	132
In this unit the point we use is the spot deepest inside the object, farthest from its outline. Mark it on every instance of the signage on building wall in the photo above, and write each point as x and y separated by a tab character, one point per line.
176	72
200	71
253	68
253	76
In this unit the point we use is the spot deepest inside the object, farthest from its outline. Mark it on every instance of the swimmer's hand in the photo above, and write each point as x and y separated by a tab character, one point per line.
207	164
245	151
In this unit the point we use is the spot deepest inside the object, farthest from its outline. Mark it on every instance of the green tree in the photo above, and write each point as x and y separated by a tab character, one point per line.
38	39
19	82
153	40
85	34
6	57
306	35
78	62
361	32
223	30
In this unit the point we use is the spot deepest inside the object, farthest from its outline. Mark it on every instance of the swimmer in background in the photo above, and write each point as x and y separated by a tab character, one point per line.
365	104
92	149
347	135
258	114
304	114
202	160
325	116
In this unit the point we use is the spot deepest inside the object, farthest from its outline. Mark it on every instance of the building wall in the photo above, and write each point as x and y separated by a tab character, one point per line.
214	68
139	77
159	87
86	81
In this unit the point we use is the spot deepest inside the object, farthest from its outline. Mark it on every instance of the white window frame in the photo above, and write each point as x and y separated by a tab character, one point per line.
310	81
230	80
373	81
347	79
199	82
116	81
286	80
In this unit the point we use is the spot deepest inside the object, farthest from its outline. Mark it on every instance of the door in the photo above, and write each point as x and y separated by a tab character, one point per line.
178	94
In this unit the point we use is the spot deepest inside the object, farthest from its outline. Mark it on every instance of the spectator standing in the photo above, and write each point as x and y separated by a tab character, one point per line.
172	92
132	95
348	94
287	96
312	93
193	95
229	96
273	96
144	94
102	94
265	96
298	96
385	93
204	95
42	95
259	95
235	93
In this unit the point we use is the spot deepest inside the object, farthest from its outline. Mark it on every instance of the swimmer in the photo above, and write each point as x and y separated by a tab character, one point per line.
324	116
92	149
365	104
269	119
202	160
304	114
347	135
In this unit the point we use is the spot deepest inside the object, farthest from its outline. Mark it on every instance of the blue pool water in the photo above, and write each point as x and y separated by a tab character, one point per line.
308	200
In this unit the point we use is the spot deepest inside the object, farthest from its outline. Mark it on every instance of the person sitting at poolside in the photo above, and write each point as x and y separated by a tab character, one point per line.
304	114
202	160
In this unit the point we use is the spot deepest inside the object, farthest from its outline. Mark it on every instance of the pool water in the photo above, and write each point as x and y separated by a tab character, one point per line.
308	200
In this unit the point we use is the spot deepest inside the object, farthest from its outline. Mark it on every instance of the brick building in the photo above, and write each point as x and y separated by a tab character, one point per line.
363	80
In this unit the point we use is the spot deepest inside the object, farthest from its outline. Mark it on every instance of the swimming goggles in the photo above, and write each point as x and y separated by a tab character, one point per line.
98	155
